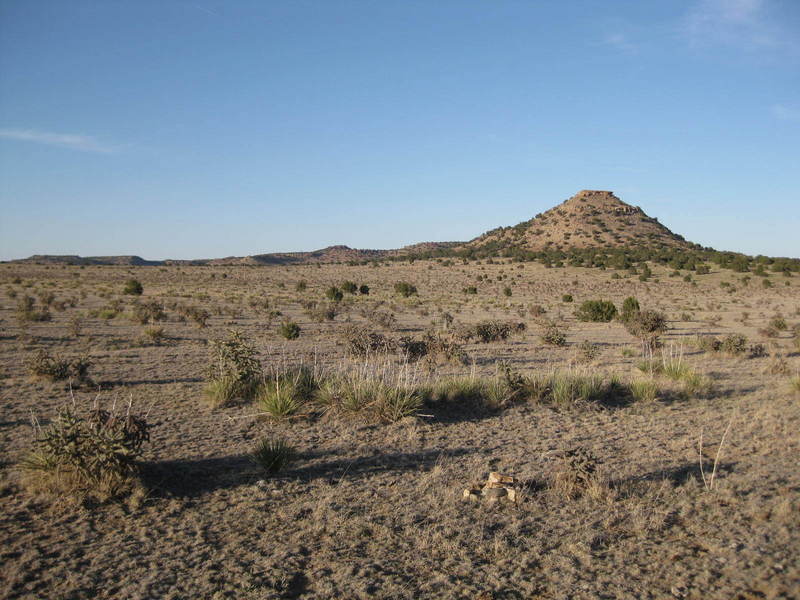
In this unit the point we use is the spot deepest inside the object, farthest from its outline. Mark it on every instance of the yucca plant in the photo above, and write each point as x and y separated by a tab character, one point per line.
279	398
273	455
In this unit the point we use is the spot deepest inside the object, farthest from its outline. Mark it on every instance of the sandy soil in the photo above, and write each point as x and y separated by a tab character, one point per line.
375	510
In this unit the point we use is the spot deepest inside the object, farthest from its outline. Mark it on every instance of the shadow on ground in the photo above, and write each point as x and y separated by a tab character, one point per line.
195	477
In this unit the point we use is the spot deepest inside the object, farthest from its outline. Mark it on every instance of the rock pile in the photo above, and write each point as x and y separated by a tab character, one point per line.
497	488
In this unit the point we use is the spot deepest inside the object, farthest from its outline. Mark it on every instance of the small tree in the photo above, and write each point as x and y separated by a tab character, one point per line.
629	306
596	310
133	287
646	326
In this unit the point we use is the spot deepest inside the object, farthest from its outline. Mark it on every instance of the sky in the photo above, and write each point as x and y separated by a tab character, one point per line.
203	128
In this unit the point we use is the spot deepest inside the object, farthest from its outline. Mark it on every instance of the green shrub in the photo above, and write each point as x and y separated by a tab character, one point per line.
133	287
289	330
566	298
363	290
507	291
234	370
629	306
405	289
273	455
349	287
470	290
778	323
599	311
334	294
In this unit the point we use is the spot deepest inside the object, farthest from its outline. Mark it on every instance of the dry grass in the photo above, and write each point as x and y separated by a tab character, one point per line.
370	505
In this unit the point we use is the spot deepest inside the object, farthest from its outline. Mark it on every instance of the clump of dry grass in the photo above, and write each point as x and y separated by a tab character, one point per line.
575	474
372	391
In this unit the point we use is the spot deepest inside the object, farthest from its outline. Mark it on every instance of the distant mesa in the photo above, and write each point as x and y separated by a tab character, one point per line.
591	218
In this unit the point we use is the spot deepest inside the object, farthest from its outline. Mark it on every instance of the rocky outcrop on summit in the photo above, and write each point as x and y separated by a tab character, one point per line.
591	218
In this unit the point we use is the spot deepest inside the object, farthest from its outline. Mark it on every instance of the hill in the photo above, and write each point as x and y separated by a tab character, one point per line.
590	219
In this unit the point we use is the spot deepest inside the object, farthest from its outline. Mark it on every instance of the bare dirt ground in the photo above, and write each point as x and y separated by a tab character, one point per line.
375	510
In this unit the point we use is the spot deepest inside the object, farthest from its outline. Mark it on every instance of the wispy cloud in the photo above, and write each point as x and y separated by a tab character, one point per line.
84	143
785	113
620	41
747	24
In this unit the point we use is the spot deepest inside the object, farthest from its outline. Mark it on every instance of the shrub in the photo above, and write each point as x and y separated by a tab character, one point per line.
334	294
361	342
133	287
321	312
26	311
301	286
154	335
629	306
273	455
349	287
234	370
708	343
647	326
575	474
75	324
92	455
601	311
566	298
149	312
472	290
405	289
363	290
778	323
587	352
199	315
289	330
490	331
734	344
42	364
507	292
553	335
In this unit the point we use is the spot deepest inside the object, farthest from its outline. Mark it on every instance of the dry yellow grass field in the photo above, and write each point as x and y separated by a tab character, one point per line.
372	508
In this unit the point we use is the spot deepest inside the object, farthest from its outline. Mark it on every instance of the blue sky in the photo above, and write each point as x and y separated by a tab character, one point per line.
204	129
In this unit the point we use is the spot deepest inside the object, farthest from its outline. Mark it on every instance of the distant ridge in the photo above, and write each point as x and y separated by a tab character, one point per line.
331	254
589	219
